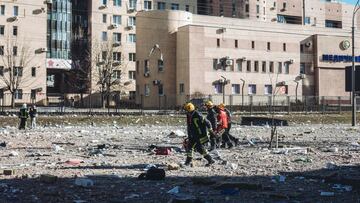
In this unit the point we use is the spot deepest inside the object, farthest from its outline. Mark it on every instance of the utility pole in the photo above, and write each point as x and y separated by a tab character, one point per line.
304	11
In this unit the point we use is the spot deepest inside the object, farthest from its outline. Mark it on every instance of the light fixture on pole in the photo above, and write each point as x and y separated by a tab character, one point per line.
242	92
223	81
353	98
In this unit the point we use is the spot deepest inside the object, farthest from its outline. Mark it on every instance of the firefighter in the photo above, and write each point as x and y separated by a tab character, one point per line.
211	116
228	114
197	127
23	115
222	126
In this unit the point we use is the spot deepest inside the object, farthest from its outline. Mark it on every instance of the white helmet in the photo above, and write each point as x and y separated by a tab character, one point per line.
24	106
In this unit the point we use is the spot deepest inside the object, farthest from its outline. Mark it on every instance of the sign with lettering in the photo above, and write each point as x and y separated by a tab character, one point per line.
339	58
58	63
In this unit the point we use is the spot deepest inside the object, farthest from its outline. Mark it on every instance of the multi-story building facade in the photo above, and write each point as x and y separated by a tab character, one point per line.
114	23
199	53
22	51
328	13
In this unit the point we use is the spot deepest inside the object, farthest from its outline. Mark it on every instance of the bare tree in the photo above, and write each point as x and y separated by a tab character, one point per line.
16	60
108	66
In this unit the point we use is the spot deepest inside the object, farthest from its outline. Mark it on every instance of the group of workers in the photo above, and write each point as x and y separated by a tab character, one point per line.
24	114
214	128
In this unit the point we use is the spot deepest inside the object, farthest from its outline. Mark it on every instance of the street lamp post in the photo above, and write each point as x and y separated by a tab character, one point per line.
242	92
353	98
223	83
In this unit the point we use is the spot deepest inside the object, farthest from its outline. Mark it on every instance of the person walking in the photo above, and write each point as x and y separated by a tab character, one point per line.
197	127
222	126
23	115
227	131
211	116
33	115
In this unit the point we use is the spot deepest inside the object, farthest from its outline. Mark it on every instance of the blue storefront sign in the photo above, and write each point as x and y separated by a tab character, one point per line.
339	58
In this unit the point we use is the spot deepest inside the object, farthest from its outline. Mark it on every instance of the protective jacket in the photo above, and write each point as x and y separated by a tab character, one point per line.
211	116
222	120
23	113
197	127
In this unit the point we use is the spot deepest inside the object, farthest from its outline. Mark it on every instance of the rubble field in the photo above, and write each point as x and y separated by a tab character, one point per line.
65	160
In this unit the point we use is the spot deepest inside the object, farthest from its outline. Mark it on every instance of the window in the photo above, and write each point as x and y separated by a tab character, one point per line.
132	95
239	65
146	66
137	66
286	66
15	50
181	88
257	9
1	70
174	6
263	67
256	66
268	46
307	20
248	66
132	57
279	67
104	2
147	5
301	48
15	30
302	68
116	74
33	94
161	5
104	36
18	94
18	71
284	46
132	75
284	5
160	65
147	89
132	4
2	29
117	56
218	88
271	67
1	50
2	10
132	38
33	72
247	8
131	21
161	89
117	37
235	88
236	43
187	8
252	89
104	18
117	2
117	19
215	64
333	24
104	55
218	42
253	44
16	10
268	89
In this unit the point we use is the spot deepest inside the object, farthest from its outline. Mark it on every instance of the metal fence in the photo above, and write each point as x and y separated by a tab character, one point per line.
126	103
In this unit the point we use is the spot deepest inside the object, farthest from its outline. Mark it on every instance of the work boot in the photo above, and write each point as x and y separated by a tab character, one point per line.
209	159
188	162
237	142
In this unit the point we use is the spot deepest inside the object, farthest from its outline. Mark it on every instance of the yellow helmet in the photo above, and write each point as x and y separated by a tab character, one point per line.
209	103
221	106
189	107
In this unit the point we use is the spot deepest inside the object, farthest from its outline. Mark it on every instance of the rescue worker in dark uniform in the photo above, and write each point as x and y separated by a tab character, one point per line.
197	127
23	115
211	116
227	131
